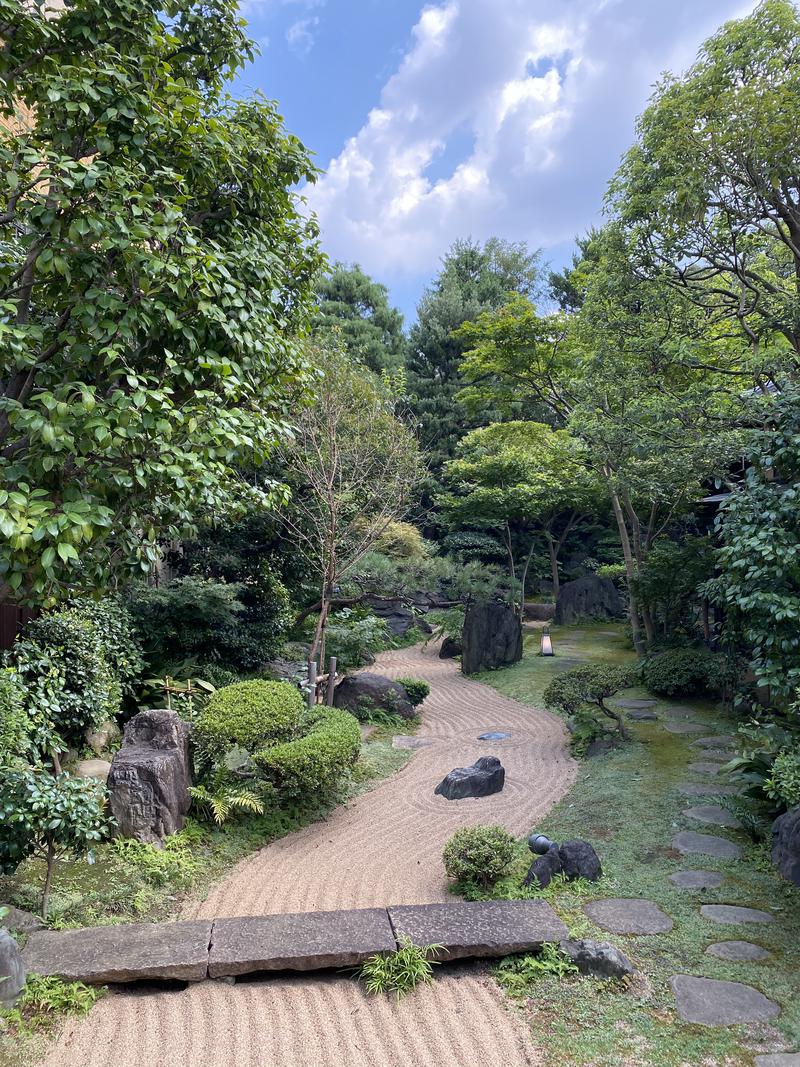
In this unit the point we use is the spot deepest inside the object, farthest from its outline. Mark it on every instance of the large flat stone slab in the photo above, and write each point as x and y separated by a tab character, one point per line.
729	913
714	741
298	942
684	727
705	767
642	716
479	928
125	953
713	1003
713	815
696	879
691	843
624	915
740	951
708	789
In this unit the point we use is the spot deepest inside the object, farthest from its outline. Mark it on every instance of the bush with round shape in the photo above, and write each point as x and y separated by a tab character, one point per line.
479	855
417	689
783	783
316	763
250	715
685	672
14	722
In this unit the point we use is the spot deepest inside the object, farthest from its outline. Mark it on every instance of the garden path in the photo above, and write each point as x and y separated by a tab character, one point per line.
385	847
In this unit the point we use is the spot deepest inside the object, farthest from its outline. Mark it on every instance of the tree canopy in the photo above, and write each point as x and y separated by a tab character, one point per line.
356	305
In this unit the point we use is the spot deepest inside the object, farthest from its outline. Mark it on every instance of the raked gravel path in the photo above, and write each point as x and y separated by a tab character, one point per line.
384	848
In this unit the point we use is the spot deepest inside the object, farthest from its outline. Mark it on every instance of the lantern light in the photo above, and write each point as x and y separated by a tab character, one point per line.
546	647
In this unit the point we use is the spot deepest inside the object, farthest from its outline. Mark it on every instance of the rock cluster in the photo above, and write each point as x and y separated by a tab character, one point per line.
574	859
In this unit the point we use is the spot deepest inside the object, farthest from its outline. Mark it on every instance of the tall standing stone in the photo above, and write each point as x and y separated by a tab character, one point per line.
589	597
492	637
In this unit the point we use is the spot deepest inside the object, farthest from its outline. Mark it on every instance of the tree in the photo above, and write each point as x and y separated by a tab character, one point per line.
353	465
155	266
527	479
371	330
592	684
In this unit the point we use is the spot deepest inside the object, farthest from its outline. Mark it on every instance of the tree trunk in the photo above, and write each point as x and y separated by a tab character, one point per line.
630	570
552	552
512	569
524	581
318	643
617	717
48	878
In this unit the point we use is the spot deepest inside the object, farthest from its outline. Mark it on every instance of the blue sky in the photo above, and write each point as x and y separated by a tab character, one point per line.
441	120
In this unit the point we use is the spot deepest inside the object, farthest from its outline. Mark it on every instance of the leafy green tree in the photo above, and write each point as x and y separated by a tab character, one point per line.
154	268
371	329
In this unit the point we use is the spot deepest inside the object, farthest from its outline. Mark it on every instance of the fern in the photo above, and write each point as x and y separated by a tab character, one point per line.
226	801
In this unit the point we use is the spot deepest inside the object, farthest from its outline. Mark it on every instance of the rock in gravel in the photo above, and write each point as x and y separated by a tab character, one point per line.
713	815
696	879
579	860
492	637
484	777
713	1003
628	916
786	844
730	913
740	951
365	692
12	970
450	648
598	958
690	842
493	735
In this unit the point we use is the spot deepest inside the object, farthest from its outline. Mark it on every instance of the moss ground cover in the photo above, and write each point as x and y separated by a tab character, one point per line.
629	805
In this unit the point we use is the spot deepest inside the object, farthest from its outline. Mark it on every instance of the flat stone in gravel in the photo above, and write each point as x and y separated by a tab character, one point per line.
409	741
124	953
692	843
713	815
710	789
714	741
713	1003
684	727
730	913
622	915
625	703
705	768
642	716
741	951
298	942
479	928
696	879
779	1059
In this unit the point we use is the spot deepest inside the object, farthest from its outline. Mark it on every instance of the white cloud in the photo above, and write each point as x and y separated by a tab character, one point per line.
548	93
300	35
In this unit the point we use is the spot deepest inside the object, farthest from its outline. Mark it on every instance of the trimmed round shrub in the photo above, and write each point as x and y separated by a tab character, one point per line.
783	783
315	763
14	722
479	855
248	715
685	671
417	689
592	683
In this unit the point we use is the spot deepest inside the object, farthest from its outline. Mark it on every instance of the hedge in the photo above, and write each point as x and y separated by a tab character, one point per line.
14	723
250	715
316	762
685	672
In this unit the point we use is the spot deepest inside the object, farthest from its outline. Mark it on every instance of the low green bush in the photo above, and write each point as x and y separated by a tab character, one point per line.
783	783
315	763
354	636
250	715
685	672
399	972
116	634
217	675
577	691
479	855
14	723
417	689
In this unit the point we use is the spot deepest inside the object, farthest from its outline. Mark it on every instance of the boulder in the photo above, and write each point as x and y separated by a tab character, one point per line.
540	612
365	692
492	637
450	648
101	739
93	768
150	775
484	777
541	871
786	844
579	860
589	597
397	615
19	921
12	970
598	958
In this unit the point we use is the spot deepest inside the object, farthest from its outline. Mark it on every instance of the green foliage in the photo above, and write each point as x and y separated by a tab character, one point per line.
783	783
685	672
584	728
44	1000
479	855
590	684
350	302
14	722
173	865
399	972
518	975
402	540
250	715
316	763
417	689
223	800
448	622
116	632
216	675
669	581
355	636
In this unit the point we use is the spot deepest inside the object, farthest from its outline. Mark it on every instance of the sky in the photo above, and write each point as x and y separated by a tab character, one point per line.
465	118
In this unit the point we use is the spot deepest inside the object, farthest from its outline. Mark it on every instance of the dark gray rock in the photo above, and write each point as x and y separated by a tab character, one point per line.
364	692
642	716
484	777
539	612
397	616
541	871
729	913
450	648
479	928
601	746
708	789
148	785
713	1003
21	922
492	637
786	844
713	815
691	843
714	741
701	767
125	953
696	879
684	727
740	951
598	958
579	860
589	597
12	970
628	916
304	942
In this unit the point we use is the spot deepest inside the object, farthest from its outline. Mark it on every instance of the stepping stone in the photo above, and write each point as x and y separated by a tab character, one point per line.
677	713
730	913
696	879
779	1059
493	735
715	741
684	727
304	942
410	741
636	703
705	768
717	755
713	1003
700	789
125	953
628	916
714	815
479	928
742	951
689	842
642	716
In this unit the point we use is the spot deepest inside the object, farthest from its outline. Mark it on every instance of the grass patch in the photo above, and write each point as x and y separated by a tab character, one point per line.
40	1007
627	803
